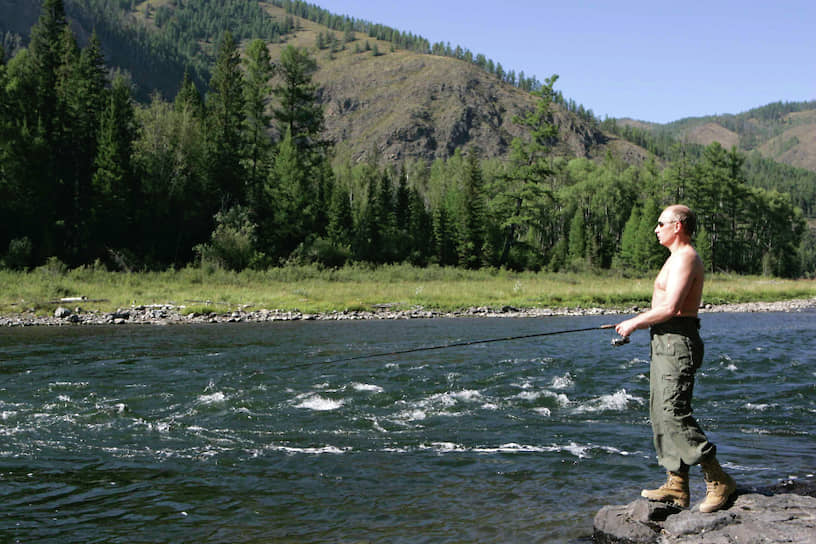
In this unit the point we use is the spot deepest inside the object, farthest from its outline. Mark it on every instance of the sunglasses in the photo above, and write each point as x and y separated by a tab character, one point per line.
663	223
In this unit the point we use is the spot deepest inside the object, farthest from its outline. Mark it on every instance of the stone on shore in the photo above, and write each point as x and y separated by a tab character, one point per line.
783	513
169	313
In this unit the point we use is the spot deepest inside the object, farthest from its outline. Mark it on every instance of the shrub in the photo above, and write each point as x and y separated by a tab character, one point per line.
232	243
322	252
19	254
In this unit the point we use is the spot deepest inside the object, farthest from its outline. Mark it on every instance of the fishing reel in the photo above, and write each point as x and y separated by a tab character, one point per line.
620	340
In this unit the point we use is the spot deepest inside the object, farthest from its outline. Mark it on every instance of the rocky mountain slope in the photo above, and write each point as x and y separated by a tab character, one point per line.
411	105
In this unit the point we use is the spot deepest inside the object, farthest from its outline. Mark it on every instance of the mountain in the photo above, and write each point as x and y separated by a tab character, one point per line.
380	94
784	132
399	102
413	105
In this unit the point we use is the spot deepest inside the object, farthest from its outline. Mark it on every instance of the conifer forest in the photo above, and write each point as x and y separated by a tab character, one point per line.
235	171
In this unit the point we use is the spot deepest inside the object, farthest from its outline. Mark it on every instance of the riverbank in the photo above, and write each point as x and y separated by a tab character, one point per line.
167	314
54	295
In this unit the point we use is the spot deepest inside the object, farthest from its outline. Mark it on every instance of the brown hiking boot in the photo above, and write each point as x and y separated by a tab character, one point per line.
719	486
675	491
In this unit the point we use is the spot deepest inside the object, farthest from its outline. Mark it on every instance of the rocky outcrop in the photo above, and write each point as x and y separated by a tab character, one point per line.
411	106
782	513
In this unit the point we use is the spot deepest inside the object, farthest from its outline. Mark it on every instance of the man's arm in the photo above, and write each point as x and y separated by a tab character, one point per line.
680	275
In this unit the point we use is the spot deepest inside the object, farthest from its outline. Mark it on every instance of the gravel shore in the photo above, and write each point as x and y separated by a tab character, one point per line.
166	314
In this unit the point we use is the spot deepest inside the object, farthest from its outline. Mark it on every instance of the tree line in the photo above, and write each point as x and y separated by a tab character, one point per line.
760	172
240	176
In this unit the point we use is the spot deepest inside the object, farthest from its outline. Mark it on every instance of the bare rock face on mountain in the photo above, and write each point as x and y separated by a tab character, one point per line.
783	513
405	105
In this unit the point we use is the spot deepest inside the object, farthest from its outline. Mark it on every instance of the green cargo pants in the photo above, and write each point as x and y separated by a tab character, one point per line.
676	353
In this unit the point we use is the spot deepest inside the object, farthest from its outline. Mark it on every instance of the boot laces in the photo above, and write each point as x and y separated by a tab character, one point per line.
712	485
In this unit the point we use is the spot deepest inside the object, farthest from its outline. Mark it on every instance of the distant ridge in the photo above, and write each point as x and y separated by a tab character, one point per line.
781	131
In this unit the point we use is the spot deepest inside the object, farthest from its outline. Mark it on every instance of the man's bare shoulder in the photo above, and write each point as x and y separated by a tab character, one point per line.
686	255
686	266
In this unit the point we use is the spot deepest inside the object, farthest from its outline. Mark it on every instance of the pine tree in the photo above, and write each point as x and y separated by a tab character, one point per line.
225	113
42	137
402	217
386	220
420	229
401	209
517	204
188	96
368	236
115	190
577	251
257	92
718	195
292	197
47	51
445	235
341	220
473	229
627	258
298	110
82	91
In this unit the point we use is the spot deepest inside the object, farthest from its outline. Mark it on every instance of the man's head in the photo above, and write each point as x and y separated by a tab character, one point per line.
684	216
674	220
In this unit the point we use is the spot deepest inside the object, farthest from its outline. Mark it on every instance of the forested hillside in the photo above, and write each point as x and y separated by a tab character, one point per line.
778	140
312	144
154	41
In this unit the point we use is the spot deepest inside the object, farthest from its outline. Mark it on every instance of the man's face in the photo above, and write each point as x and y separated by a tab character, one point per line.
666	228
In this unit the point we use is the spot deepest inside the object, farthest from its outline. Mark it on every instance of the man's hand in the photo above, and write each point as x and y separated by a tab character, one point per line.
625	328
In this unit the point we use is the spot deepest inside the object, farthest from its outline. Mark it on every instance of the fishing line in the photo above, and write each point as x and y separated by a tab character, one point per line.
615	342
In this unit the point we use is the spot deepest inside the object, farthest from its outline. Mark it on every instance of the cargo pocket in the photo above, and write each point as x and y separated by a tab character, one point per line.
677	390
677	374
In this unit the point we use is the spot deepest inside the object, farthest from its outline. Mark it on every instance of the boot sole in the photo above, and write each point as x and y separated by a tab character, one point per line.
673	502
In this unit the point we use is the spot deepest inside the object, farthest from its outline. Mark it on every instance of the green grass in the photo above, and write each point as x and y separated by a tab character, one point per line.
312	290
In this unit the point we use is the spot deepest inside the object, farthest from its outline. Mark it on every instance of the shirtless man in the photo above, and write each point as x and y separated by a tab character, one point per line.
676	354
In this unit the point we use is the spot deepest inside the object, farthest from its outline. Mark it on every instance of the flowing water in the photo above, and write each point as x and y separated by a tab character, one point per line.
245	433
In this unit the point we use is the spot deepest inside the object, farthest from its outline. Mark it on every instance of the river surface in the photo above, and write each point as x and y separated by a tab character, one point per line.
249	433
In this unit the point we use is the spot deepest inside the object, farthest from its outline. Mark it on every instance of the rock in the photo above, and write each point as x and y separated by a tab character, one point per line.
120	314
765	516
62	312
635	522
804	487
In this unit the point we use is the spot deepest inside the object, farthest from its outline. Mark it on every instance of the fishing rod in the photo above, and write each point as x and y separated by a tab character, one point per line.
615	342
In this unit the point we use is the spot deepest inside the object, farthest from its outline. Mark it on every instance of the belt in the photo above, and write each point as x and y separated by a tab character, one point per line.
677	325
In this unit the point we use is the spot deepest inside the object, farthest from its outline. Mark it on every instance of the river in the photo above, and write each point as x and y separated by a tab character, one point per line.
249	433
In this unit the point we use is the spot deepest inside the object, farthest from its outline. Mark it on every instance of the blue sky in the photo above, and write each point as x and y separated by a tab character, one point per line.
655	60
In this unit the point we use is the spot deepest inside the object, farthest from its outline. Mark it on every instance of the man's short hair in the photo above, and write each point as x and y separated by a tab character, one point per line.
686	217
